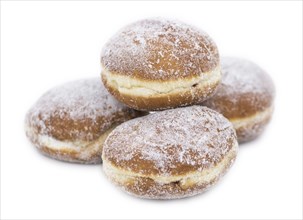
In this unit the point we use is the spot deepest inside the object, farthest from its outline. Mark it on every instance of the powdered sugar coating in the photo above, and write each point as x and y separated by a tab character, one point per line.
171	142
148	188
245	96
251	127
245	89
77	110
160	49
243	76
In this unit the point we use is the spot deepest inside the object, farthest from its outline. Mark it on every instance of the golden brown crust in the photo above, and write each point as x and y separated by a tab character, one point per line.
77	111
88	152
245	96
171	142
160	50
193	95
252	129
245	89
66	129
247	104
70	122
71	155
149	188
139	164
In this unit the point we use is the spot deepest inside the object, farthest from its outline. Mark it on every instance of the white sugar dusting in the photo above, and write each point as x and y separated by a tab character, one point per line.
244	86
241	76
251	127
77	101
159	49
192	136
170	187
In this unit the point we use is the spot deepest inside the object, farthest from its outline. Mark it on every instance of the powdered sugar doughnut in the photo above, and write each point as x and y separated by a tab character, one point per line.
245	97
70	122
156	64
170	154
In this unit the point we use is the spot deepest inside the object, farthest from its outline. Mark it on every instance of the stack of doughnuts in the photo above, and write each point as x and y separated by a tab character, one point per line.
201	106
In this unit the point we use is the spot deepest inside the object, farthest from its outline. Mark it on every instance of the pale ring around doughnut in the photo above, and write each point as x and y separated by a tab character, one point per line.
157	64
171	154
70	122
245	96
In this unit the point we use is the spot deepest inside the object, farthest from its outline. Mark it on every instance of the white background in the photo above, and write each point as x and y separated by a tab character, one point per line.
47	43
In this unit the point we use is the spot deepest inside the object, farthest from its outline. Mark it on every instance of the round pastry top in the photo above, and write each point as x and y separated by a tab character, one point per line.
171	142
77	110
245	89
160	49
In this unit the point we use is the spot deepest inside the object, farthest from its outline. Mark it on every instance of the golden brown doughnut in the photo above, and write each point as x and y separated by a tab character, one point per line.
155	64
70	122
245	97
170	154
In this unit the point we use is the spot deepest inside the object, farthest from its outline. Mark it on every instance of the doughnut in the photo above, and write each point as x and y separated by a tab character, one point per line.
170	154
70	122
245	97
157	64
